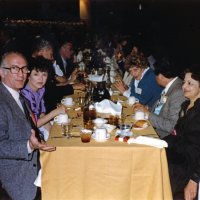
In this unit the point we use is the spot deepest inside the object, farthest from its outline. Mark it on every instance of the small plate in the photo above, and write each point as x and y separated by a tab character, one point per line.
124	133
73	103
140	128
109	127
136	101
107	137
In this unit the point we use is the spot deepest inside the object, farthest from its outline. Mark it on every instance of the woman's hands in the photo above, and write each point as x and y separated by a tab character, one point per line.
120	86
190	191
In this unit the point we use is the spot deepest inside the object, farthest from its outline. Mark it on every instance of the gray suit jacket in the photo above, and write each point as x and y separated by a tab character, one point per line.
164	122
18	169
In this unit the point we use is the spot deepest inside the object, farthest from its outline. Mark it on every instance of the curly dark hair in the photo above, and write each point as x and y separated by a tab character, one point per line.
194	70
40	64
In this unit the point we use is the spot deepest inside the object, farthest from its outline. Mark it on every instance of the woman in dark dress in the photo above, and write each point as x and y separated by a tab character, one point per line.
183	152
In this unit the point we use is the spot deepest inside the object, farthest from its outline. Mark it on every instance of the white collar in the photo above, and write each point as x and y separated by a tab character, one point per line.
136	82
169	85
64	61
14	93
144	72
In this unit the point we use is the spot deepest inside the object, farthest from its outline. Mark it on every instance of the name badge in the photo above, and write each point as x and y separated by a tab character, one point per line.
138	90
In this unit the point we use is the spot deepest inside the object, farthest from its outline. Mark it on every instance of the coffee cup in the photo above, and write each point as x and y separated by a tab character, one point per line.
99	122
68	101
139	114
100	134
61	118
131	100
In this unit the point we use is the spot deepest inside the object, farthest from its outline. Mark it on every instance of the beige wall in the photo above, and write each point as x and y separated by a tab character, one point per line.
85	10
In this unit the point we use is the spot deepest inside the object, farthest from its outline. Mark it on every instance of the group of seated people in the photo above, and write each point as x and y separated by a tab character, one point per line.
172	106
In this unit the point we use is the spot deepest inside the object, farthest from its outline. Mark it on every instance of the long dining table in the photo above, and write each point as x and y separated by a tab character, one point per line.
109	170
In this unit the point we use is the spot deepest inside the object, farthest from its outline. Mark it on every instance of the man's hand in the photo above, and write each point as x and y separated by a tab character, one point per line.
190	191
73	75
35	144
78	86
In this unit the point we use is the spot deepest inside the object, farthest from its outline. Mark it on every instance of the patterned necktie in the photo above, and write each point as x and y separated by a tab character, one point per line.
30	117
160	103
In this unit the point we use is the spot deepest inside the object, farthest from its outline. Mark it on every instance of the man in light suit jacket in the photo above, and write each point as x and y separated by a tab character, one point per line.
164	113
18	144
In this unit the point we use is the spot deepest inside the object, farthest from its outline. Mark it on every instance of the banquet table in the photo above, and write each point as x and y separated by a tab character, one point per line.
110	170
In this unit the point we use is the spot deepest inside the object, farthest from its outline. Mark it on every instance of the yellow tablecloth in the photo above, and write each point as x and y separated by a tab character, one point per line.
103	171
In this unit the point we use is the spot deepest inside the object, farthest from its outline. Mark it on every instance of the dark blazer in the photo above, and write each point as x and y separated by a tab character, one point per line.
183	152
18	169
164	122
69	67
53	93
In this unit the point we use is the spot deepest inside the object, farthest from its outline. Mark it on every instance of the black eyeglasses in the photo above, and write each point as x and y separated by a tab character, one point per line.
14	69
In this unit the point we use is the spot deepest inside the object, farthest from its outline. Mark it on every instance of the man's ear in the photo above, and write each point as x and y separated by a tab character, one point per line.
1	73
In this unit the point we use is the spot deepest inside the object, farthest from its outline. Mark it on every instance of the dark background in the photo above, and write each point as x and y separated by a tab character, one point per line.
173	24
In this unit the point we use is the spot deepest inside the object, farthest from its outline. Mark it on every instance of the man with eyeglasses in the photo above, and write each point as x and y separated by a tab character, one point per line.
18	144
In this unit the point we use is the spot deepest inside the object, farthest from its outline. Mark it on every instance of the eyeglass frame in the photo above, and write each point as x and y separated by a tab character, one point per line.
15	67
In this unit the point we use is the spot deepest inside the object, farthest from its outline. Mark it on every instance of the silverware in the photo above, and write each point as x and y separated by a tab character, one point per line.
75	136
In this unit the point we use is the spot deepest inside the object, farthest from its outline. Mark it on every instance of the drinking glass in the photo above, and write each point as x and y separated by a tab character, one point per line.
66	128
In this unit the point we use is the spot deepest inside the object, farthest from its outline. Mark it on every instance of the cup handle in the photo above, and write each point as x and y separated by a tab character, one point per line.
62	101
56	119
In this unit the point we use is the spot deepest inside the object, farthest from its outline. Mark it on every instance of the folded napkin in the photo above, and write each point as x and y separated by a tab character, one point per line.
107	106
38	181
96	78
148	141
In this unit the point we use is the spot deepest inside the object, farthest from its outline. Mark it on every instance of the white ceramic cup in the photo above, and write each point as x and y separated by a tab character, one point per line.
131	100
61	118
68	101
99	122
139	114
100	134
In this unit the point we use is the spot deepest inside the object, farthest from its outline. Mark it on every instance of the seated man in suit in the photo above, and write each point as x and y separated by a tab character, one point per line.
18	142
64	58
164	113
54	91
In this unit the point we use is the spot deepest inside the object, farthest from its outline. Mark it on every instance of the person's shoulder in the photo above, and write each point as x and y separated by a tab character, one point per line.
149	74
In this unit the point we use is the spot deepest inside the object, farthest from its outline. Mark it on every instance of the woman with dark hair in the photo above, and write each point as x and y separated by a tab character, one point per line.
54	91
183	152
34	92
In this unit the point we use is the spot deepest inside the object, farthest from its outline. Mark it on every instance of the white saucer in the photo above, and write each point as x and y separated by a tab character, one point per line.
124	133
140	128
130	104
107	137
67	105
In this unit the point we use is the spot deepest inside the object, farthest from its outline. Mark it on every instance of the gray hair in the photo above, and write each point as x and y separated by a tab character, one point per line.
5	55
41	43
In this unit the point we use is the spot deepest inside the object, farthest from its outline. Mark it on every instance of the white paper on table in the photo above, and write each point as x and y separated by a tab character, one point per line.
155	142
107	106
95	78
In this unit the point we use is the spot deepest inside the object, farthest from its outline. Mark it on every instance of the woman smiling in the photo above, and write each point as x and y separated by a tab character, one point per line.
184	143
